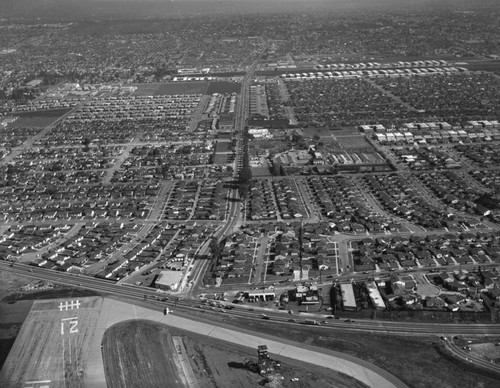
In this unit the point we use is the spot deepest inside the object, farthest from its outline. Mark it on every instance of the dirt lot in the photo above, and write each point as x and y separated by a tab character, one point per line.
141	353
163	89
489	351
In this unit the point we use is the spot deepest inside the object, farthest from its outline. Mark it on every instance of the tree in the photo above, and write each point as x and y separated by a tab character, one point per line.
214	247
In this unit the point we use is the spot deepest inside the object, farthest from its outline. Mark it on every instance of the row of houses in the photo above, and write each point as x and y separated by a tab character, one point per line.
375	73
425	136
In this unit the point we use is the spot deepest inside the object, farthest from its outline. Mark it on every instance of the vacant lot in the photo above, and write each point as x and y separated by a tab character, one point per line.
223	87
141	354
12	316
492	65
171	88
37	119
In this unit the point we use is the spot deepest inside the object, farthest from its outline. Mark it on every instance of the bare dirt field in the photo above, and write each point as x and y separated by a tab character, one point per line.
163	89
139	354
53	343
142	354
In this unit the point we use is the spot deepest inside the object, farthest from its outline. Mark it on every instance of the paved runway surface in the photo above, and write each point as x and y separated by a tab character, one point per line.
114	311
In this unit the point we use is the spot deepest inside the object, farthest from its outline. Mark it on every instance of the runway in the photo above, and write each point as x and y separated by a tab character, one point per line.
114	311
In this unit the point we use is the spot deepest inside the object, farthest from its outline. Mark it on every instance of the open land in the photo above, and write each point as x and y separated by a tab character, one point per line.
142	353
38	119
168	89
491	65
417	361
223	87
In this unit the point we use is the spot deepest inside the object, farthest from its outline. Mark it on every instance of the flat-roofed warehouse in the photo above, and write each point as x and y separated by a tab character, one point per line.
168	280
348	299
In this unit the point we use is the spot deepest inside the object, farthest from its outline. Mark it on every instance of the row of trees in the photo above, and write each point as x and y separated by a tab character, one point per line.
245	173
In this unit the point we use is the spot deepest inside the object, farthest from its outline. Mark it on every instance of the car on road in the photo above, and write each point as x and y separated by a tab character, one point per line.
264	316
348	320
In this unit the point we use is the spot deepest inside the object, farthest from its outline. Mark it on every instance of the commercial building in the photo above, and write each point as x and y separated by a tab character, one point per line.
348	299
375	296
168	280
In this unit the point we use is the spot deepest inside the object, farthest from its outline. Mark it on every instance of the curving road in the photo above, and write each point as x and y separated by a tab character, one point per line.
467	356
359	369
114	312
134	293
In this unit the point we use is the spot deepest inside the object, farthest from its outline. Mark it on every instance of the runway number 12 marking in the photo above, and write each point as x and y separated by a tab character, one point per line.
72	323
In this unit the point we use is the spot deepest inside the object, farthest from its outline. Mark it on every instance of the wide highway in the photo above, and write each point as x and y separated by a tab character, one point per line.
187	306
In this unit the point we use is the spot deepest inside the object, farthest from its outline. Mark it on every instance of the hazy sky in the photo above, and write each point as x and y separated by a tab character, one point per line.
81	9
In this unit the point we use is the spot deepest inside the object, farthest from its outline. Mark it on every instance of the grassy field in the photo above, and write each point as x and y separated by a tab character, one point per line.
223	87
489	65
171	88
37	119
50	346
141	354
12	316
